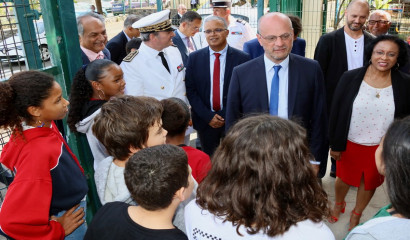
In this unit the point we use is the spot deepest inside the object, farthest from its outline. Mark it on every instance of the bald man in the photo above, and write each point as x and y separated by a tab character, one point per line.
343	50
282	84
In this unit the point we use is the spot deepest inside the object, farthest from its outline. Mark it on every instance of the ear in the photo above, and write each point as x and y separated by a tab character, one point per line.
96	85
228	11
34	111
180	194
183	24
259	38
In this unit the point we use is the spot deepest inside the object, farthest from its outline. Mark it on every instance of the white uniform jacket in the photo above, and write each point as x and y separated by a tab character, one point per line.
145	75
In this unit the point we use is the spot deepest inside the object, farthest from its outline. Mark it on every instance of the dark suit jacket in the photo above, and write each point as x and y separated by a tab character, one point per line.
177	40
107	55
117	47
345	94
175	20
248	94
331	54
254	49
198	83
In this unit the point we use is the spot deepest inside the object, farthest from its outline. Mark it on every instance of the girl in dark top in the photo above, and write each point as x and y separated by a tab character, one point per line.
49	182
92	86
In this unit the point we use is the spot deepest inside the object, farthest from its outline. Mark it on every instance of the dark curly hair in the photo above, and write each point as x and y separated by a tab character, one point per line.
22	90
124	122
396	158
154	174
261	178
401	59
176	116
81	89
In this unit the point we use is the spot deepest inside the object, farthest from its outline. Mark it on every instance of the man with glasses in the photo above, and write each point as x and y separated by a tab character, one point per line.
207	81
343	50
184	35
379	22
281	84
239	30
156	69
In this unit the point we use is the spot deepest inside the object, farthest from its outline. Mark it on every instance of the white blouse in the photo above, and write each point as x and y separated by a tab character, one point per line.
373	111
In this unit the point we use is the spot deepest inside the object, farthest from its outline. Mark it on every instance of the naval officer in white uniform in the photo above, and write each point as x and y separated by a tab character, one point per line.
156	69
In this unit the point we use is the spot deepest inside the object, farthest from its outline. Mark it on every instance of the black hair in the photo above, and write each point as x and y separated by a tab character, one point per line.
22	90
82	90
396	158
133	43
401	59
176	116
190	16
153	175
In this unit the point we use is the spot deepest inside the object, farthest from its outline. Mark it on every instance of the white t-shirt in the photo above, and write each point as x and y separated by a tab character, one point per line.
200	224
354	51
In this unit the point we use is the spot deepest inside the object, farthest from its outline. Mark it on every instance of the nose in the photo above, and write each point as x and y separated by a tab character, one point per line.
165	132
67	102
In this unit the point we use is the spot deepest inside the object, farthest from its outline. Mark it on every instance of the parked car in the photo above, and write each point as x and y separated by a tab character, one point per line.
11	49
118	6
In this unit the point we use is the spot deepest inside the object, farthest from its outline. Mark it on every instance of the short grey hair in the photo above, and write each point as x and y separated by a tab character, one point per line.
131	18
145	36
381	12
80	26
216	18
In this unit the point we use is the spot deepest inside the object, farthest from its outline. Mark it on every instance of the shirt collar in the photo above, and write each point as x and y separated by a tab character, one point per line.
181	34
150	51
128	38
91	54
222	52
269	64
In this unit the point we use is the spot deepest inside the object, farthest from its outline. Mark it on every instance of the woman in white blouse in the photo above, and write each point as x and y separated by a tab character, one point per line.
366	102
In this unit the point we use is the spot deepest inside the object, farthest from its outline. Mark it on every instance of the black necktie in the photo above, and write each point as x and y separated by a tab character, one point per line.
164	61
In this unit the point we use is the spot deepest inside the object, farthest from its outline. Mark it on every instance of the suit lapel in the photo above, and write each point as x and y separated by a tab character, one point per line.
180	43
341	45
259	84
228	68
205	57
293	76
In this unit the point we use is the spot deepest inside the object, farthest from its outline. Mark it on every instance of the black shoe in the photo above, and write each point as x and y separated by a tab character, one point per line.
332	174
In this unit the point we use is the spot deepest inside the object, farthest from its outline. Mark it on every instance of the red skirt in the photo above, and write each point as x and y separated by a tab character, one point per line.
357	161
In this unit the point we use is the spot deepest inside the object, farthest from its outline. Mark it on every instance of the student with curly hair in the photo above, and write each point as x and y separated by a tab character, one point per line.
46	200
176	119
261	186
93	86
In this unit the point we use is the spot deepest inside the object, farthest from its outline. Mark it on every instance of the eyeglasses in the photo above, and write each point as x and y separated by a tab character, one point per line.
218	30
382	53
373	22
283	37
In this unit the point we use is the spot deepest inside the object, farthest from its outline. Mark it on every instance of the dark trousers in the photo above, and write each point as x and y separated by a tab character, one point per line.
210	138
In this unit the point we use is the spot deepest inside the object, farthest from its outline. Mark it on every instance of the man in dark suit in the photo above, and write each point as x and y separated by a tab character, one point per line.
93	37
343	50
181	11
190	24
207	81
281	83
254	49
117	44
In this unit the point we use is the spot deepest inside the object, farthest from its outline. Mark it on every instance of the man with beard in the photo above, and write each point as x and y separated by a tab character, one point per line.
342	50
281	84
93	37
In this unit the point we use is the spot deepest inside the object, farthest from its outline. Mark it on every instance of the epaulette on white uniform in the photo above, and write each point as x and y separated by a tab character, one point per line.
130	56
240	20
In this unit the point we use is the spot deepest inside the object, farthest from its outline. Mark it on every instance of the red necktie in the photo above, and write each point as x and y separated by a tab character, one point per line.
216	101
